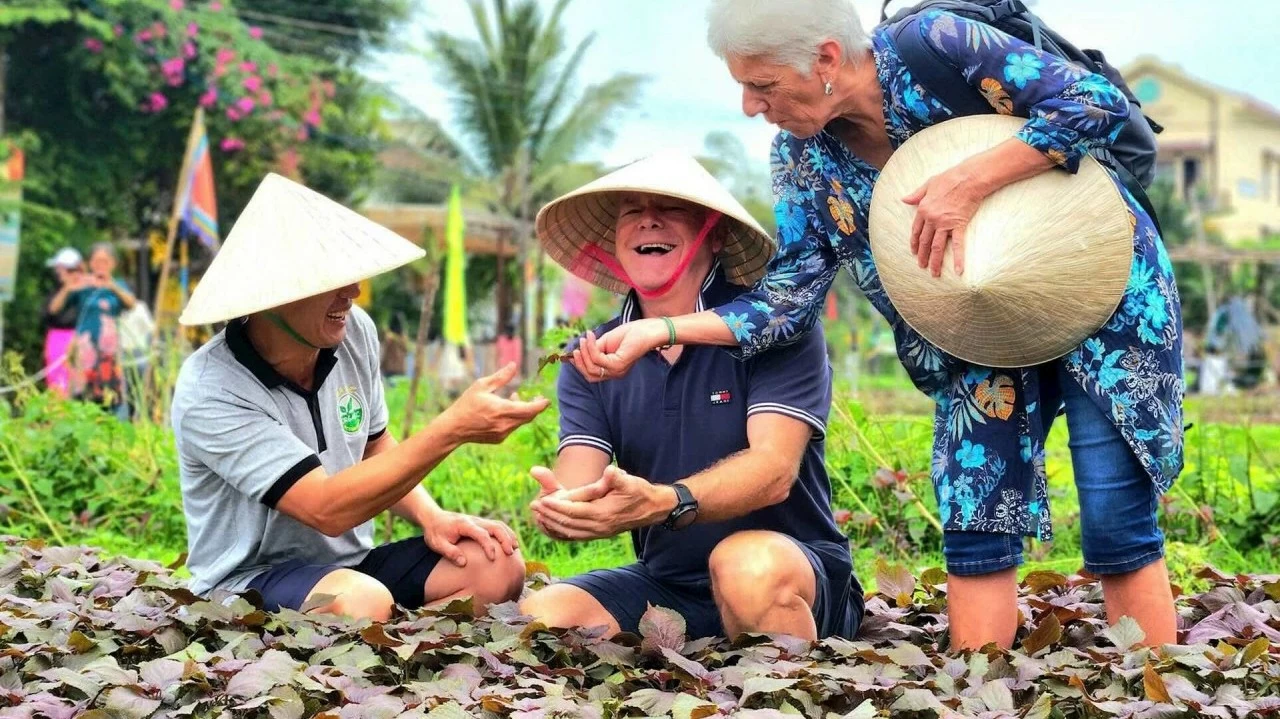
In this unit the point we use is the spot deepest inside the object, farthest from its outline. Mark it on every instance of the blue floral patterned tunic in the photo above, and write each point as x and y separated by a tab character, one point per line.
988	454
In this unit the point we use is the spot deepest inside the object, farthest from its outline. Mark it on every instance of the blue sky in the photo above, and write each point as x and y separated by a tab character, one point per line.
1231	43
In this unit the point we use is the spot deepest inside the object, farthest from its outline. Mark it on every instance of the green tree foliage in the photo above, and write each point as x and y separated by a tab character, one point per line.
101	93
524	124
516	107
337	31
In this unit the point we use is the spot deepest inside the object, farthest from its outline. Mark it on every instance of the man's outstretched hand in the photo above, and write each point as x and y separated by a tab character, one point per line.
615	503
482	415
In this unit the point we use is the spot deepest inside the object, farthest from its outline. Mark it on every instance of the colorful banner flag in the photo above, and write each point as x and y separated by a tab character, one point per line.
455	289
11	172
199	208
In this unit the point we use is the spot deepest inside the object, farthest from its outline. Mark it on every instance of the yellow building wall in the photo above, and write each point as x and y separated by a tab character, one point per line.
1251	205
1184	112
1253	197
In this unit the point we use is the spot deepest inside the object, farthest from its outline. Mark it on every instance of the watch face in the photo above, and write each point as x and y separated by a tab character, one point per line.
685	518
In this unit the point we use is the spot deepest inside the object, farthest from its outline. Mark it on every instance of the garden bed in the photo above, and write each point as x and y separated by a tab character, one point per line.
81	635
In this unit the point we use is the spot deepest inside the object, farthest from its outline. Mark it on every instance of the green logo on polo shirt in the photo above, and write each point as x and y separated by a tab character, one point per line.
350	411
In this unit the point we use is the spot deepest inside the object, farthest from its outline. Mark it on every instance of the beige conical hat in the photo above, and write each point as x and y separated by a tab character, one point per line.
291	243
587	215
1046	260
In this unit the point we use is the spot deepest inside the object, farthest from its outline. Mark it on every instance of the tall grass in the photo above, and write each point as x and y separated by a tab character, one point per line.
70	473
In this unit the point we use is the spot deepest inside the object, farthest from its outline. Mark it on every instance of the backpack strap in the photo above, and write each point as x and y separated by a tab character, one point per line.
1131	184
933	72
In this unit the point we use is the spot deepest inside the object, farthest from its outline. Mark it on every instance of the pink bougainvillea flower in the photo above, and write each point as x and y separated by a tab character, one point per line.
176	4
265	98
249	67
255	33
253	83
192	29
234	114
159	29
189	50
215	6
246	104
157	102
312	117
173	70
209	98
231	144
144	35
118	30
93	44
224	56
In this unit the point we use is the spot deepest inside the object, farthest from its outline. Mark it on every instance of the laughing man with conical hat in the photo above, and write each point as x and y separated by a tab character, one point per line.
281	428
719	475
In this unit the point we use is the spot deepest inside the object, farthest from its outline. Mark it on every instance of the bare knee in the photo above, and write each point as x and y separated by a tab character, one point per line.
564	605
488	581
355	595
503	580
754	572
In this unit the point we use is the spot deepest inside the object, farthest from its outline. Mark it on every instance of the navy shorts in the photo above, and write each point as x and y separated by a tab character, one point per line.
626	592
1119	531
402	567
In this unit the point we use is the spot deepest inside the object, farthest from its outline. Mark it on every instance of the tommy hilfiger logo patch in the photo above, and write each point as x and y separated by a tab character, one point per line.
721	397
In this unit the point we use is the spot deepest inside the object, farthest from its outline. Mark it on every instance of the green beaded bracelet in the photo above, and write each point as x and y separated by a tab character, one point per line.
671	332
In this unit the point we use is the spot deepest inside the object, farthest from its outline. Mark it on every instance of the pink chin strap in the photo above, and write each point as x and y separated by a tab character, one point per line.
593	251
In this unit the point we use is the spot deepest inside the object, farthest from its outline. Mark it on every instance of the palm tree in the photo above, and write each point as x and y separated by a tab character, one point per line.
514	89
418	160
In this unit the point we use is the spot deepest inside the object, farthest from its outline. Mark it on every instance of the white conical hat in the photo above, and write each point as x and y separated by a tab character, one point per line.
1046	260
291	243
567	225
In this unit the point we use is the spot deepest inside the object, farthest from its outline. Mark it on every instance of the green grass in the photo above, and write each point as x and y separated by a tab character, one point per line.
1219	473
116	487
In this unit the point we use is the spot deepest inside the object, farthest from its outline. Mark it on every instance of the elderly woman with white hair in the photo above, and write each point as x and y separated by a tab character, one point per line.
844	101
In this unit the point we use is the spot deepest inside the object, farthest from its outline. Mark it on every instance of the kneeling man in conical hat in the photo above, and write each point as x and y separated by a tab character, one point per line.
281	428
719	472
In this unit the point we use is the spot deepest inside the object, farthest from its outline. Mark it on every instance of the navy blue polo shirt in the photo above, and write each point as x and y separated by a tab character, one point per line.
665	422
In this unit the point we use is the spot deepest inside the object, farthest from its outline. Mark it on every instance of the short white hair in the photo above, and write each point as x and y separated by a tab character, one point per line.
785	31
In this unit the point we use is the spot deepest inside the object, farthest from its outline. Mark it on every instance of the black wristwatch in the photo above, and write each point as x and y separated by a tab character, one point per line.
686	510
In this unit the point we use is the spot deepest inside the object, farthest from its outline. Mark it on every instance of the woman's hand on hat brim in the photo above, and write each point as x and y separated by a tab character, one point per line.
945	204
613	354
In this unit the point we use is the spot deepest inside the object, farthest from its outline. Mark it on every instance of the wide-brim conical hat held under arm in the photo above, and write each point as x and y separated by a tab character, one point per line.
1046	259
577	228
291	243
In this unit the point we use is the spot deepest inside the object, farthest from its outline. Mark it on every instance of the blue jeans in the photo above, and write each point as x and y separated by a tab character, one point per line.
1118	501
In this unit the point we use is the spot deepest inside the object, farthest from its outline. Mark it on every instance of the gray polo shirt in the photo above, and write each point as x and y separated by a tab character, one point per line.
245	435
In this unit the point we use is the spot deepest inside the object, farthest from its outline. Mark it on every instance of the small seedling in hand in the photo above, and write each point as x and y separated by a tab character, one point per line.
553	358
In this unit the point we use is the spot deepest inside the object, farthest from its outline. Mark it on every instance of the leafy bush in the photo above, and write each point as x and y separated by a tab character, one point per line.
95	638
